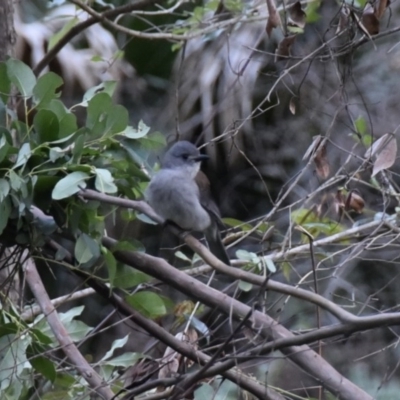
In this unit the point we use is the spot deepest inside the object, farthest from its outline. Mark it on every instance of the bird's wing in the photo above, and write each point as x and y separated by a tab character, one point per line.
206	199
212	234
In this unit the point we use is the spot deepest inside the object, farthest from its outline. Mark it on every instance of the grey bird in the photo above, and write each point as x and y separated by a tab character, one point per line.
180	193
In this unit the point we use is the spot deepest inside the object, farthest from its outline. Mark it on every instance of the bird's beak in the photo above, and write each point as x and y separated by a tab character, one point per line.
200	157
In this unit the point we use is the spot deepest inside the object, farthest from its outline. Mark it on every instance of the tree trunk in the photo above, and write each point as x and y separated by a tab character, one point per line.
9	282
7	32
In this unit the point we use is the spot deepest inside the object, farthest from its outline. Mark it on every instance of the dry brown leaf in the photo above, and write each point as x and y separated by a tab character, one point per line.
354	202
283	50
369	23
321	163
296	15
343	19
274	19
378	145
172	360
268	233
384	152
386	157
338	204
192	337
380	8
292	106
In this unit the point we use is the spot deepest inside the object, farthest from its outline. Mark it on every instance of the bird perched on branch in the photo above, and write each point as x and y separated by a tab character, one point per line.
180	193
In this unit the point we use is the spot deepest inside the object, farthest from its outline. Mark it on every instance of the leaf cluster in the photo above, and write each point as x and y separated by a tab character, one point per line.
47	157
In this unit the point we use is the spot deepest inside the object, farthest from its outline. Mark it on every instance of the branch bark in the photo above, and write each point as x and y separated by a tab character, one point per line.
301	355
88	373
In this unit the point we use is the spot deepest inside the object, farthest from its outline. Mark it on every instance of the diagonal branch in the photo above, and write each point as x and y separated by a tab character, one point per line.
88	373
302	355
234	375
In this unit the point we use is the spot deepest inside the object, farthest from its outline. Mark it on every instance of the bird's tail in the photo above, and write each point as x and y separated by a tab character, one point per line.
215	244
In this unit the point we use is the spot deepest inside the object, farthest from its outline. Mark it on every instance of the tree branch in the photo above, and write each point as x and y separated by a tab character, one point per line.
234	375
88	373
302	355
77	29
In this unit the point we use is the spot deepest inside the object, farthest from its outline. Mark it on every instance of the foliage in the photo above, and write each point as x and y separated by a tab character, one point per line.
44	160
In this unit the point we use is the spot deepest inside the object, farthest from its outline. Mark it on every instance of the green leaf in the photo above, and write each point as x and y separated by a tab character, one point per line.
46	126
69	185
9	329
44	366
245	286
24	155
69	315
65	29
4	189
61	254
67	120
154	141
77	330
65	318
128	277
86	249
3	113
96	59
360	125
247	256
125	360
65	381
98	109
117	120
131	245
270	264
41	364
78	148
5	83
111	264
205	391
104	181
21	76
286	270
104	118
45	89
5	211
15	180
147	303
68	125
104	87
117	344
179	254
57	107
132	133
55	153
312	11
4	143
235	223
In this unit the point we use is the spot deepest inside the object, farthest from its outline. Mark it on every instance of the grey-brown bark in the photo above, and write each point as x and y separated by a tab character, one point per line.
8	258
7	33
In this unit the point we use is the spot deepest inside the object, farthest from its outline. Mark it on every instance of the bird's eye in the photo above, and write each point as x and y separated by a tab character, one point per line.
185	156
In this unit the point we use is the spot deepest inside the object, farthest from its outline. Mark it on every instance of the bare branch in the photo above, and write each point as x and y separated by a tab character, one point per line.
88	373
